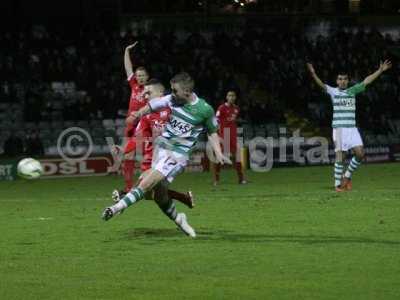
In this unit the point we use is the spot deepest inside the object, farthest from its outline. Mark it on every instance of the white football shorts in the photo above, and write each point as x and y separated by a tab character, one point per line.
346	138
168	162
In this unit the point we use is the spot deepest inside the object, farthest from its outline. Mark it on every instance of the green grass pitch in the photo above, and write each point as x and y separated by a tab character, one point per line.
286	235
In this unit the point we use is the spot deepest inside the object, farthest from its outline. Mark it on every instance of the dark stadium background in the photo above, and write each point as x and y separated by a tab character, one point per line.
61	64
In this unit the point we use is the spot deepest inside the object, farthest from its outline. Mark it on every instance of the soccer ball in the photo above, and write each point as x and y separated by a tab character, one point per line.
29	168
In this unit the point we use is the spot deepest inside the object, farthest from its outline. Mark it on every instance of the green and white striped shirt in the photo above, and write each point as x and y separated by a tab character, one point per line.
344	105
185	124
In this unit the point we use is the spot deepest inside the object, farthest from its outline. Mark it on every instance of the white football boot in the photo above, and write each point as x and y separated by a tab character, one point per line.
182	223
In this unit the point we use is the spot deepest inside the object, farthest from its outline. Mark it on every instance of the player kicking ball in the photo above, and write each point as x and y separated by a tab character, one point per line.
345	133
148	128
190	115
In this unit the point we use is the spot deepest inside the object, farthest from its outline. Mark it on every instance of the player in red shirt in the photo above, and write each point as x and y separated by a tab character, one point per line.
148	128
136	81
227	114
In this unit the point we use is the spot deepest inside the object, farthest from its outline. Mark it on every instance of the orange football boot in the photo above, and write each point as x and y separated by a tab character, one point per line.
346	184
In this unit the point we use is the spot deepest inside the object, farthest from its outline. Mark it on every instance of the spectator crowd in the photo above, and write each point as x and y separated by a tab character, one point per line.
67	75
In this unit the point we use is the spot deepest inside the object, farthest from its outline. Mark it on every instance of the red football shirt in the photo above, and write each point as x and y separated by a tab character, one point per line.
137	100
148	128
227	115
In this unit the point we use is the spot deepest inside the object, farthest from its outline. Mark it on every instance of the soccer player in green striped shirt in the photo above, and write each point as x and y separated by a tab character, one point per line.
345	133
190	116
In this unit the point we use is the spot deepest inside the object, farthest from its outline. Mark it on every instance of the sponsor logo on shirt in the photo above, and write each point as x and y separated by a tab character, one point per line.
179	126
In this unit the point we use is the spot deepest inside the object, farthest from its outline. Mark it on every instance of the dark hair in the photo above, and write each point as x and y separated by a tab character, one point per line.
185	80
342	72
156	83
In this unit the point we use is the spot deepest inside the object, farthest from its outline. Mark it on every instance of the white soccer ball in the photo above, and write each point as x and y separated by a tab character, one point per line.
29	168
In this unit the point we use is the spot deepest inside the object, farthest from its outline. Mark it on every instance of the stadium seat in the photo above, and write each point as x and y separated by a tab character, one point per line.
248	132
393	138
272	130
68	124
21	133
97	132
120	122
45	134
105	149
6	124
240	131
97	149
4	106
58	105
56	115
43	125
99	141
83	124
397	123
57	125
18	114
382	139
370	139
95	123
108	123
55	134
260	131
30	125
52	150
48	143
120	131
5	133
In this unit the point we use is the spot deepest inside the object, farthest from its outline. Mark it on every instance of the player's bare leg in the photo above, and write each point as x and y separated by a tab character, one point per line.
339	168
185	198
148	182
167	205
353	165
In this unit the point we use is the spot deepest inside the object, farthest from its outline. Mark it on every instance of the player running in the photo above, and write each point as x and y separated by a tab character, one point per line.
345	133
136	81
150	127
227	115
190	115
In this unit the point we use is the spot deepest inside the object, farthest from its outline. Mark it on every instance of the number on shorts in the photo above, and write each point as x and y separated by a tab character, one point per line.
170	161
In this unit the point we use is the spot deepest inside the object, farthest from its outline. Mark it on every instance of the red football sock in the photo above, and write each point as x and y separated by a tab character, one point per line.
239	171
217	170
181	197
128	170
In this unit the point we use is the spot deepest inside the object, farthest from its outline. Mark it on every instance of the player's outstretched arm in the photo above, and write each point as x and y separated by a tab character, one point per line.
386	65
127	60
136	115
314	75
155	104
216	147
